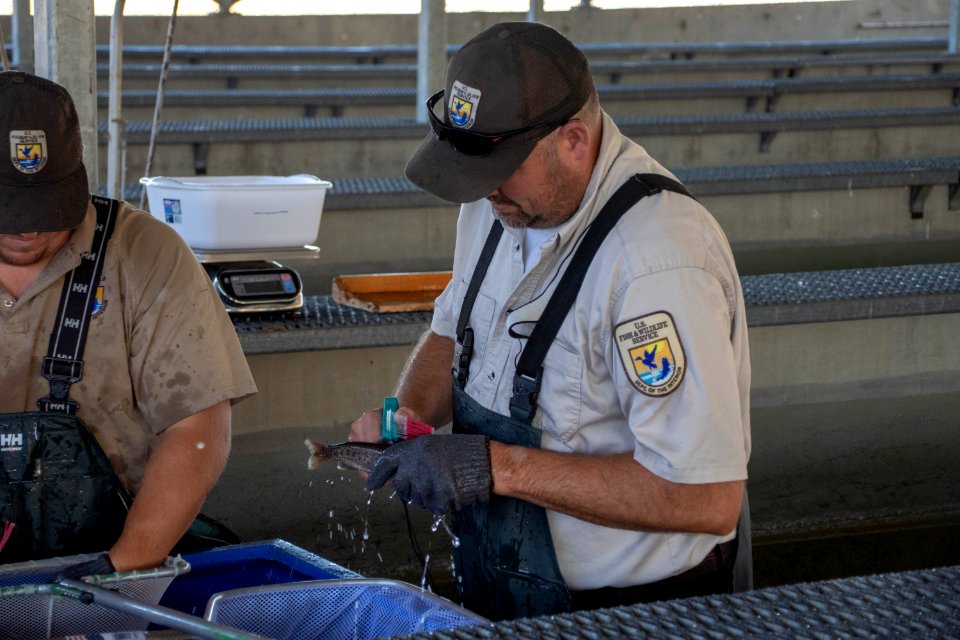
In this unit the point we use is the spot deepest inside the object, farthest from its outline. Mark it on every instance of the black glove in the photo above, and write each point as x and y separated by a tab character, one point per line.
439	473
99	566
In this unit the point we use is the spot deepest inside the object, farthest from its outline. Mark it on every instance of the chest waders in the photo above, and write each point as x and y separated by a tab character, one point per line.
57	488
506	563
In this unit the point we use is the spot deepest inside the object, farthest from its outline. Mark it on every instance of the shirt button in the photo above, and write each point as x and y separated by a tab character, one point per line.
491	375
7	302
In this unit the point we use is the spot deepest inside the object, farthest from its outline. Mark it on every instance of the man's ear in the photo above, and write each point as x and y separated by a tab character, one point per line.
575	137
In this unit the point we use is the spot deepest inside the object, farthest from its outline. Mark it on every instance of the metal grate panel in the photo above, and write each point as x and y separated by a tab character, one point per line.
851	284
917	604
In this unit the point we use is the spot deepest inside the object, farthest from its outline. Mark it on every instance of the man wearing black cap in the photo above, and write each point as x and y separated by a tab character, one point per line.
117	361
596	329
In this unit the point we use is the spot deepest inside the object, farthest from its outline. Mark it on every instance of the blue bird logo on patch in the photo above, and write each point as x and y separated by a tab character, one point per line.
28	150
460	111
648	357
29	155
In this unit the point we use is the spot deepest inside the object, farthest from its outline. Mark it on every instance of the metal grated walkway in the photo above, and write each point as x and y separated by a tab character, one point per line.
915	605
851	284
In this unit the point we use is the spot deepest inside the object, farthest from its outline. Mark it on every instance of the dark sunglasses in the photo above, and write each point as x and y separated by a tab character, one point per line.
471	143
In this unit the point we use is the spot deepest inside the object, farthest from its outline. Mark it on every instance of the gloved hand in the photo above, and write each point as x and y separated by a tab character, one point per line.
439	473
99	566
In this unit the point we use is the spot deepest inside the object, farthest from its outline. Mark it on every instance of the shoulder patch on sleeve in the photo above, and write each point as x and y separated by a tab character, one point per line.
651	353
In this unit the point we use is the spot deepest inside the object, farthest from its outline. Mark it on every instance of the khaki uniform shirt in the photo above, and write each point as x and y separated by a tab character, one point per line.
652	358
160	345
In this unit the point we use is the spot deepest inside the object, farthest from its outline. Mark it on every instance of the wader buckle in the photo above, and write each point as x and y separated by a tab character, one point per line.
461	358
60	373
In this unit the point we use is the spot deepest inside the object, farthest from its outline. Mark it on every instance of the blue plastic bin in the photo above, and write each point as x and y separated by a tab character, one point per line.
244	565
238	566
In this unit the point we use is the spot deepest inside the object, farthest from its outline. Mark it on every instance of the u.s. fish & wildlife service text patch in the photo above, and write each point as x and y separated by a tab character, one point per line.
651	353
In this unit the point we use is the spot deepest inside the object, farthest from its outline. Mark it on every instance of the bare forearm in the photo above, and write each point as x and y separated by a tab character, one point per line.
613	491
182	469
424	385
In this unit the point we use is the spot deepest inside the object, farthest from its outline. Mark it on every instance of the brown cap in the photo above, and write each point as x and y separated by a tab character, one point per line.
43	186
515	76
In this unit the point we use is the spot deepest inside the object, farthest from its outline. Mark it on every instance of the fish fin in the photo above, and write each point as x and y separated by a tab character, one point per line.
318	454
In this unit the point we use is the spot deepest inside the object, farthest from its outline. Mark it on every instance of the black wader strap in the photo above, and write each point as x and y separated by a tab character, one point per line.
63	364
526	382
464	348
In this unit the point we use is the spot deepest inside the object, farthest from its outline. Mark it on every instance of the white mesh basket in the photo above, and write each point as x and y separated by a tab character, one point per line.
39	617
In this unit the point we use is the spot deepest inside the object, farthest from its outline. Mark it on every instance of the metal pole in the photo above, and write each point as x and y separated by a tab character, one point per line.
65	52
431	52
22	42
3	51
167	49
115	125
954	26
535	13
157	614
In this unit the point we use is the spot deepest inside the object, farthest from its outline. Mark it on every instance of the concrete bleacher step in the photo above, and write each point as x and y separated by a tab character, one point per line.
378	146
604	71
616	71
771	94
377	54
918	175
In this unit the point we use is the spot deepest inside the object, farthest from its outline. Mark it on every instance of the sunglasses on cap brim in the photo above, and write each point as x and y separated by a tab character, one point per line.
476	144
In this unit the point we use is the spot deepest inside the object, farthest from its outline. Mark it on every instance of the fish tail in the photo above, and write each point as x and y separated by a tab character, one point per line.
318	453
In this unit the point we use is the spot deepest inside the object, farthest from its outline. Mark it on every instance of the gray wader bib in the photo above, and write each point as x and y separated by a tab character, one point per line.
506	563
58	493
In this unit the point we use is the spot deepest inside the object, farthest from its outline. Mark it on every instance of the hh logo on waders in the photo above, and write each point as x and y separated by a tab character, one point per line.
651	353
11	441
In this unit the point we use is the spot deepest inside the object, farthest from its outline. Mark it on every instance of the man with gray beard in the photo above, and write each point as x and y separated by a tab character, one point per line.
596	331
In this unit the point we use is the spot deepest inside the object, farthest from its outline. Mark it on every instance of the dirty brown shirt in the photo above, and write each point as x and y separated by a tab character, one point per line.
160	346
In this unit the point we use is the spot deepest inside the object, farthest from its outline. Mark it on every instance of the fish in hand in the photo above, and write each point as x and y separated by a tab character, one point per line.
360	456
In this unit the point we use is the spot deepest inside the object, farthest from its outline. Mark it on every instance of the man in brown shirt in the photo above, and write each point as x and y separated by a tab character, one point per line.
151	382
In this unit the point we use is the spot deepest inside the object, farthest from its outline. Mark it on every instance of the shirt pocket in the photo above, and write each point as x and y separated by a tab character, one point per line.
481	320
559	404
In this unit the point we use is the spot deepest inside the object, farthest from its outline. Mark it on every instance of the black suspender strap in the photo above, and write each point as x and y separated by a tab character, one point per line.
63	364
526	381
464	348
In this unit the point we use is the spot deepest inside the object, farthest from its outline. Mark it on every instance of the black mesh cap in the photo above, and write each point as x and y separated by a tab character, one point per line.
512	76
43	184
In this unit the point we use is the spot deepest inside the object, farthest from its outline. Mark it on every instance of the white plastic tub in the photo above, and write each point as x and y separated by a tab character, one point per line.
239	212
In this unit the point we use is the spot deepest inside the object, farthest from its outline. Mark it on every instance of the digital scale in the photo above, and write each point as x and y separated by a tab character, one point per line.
253	281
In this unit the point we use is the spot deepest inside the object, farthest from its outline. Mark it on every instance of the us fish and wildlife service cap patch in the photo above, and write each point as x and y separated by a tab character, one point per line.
651	353
28	150
462	109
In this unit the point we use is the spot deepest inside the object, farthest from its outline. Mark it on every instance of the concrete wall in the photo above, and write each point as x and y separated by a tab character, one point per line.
792	365
788	21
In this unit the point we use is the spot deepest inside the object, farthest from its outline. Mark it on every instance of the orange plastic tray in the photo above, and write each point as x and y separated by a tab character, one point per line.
390	292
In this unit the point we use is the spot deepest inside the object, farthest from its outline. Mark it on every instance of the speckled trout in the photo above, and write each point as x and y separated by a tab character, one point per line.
348	455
